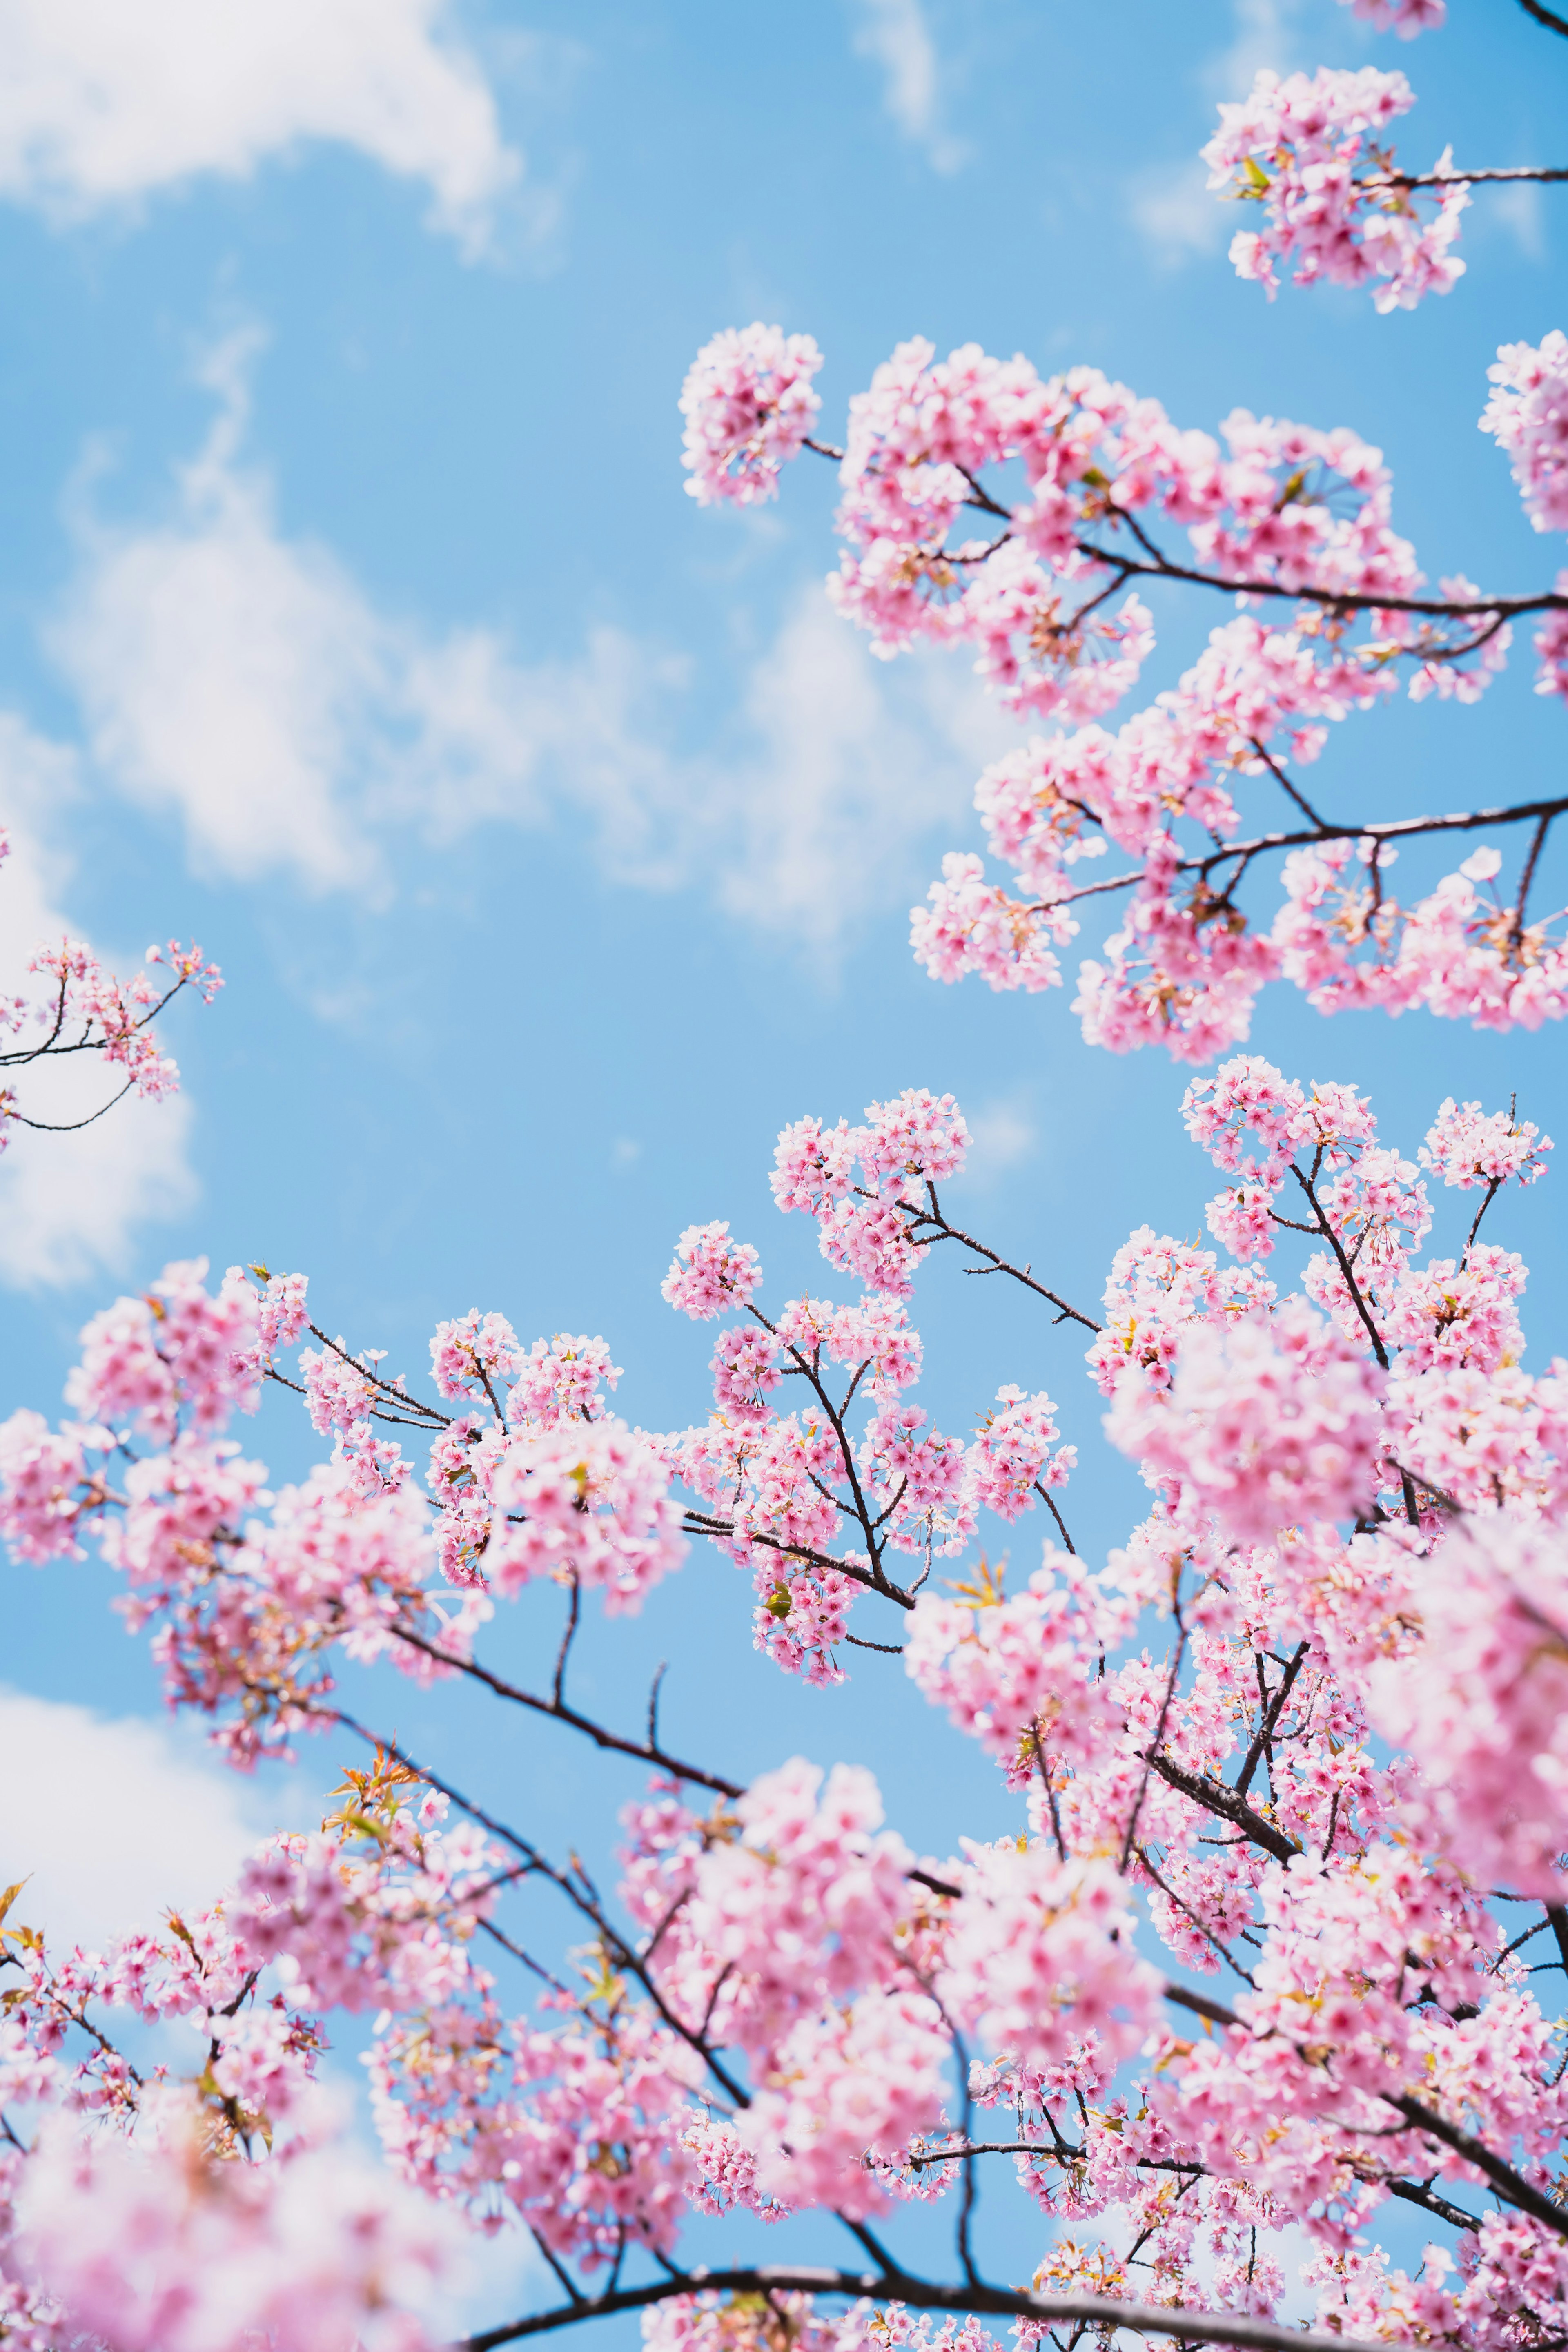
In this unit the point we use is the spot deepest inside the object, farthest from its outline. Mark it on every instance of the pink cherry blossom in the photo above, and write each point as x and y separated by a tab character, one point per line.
1265	1423
1466	1148
1527	414
711	1273
1302	149
749	405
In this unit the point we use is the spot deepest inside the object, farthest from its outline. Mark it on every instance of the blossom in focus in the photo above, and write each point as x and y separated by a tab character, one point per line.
1466	1148
711	1271
1302	149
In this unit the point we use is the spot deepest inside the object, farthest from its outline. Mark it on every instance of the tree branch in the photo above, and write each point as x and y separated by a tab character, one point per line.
1228	2327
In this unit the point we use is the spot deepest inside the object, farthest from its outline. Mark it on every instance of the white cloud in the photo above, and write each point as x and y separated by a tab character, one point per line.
245	682
894	35
111	1822
103	101
1519	212
1265	35
1177	213
69	1203
1002	1132
855	763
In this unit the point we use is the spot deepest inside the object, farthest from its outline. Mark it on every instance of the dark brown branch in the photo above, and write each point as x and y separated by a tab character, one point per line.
646	1751
1244	852
1493	1189
1516	927
944	1231
1470	179
1265	1730
1346	1269
1282	780
1557	1919
1420	2192
573	1884
1331	600
1544	15
1226	1804
72	1127
894	2285
699	1522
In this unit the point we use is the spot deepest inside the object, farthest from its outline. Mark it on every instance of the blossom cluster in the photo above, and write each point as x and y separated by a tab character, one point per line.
1299	519
140	2214
1296	1727
1303	150
82	1008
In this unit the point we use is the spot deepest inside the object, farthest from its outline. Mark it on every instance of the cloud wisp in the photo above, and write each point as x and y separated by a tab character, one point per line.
247	684
102	105
895	37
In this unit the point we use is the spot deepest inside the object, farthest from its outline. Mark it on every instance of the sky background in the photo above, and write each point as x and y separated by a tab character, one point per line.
556	840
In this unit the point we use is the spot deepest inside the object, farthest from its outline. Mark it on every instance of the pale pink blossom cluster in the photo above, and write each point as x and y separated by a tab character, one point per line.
1041	1955
209	2210
85	1009
1481	1700
1302	148
1298	1727
1527	413
1405	17
1281	511
711	1271
1032	598
1466	1147
175	1358
906	1148
780	1491
1015	1674
1265	1423
749	405
588	1503
1015	1455
159	2250
1463	952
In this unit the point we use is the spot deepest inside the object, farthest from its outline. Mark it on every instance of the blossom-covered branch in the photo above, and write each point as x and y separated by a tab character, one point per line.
81	1009
1294	522
1306	1726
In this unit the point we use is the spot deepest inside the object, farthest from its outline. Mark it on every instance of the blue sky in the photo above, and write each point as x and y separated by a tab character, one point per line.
556	841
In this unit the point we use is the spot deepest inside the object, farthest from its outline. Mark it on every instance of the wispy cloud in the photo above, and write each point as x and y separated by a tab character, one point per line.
1175	211
101	104
1518	213
1002	1133
895	37
246	682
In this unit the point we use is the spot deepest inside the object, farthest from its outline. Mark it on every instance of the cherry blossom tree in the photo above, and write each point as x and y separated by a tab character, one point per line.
1241	1976
1256	1953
